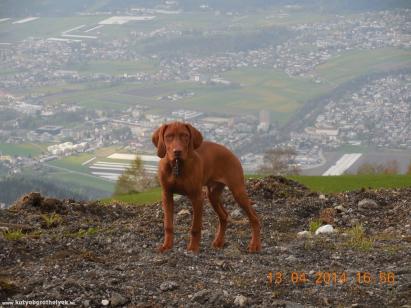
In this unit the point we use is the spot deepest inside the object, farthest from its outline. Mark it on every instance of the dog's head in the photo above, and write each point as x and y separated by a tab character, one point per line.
176	140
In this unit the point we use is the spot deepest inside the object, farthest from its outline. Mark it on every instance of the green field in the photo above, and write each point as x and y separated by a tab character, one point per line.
330	184
323	184
86	181
254	89
73	162
69	170
353	64
25	149
146	197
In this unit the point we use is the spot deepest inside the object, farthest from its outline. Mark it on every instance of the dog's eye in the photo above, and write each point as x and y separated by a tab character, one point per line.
184	137
169	137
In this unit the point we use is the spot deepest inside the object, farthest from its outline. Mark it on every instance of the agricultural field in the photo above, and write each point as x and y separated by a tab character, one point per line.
25	149
95	170
346	67
74	162
75	170
83	180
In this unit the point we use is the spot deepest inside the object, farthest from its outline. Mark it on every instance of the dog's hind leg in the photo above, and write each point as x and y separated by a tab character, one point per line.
240	195
214	195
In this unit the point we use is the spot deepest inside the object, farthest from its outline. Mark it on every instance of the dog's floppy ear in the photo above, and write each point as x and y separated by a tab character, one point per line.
196	137
158	140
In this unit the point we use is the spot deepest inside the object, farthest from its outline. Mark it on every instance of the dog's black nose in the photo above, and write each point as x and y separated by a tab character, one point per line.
177	153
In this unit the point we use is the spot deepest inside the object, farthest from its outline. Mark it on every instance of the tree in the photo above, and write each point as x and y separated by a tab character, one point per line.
409	168
390	167
280	161
134	179
369	168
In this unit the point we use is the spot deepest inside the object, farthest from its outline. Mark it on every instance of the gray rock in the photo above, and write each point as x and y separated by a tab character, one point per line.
304	234
324	229
216	299
105	302
389	230
240	300
340	209
168	285
291	258
367	204
201	296
183	212
286	304
117	300
72	283
236	214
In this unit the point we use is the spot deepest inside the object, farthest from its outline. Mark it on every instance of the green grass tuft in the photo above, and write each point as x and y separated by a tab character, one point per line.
358	239
13	235
89	232
314	225
52	220
83	233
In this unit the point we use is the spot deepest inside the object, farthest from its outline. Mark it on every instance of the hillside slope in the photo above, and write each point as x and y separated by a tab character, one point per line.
92	254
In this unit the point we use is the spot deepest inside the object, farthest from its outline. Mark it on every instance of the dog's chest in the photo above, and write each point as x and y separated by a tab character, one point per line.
178	185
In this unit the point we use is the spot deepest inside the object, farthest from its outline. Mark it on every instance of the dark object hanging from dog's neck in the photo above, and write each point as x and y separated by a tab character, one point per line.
176	167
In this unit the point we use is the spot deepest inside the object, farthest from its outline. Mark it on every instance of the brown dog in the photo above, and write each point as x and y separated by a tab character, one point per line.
186	166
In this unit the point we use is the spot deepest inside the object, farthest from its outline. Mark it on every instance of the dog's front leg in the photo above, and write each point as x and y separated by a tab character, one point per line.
168	210
197	203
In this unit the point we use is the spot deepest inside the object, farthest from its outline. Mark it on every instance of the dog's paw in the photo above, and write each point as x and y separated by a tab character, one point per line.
254	247
163	248
218	244
193	248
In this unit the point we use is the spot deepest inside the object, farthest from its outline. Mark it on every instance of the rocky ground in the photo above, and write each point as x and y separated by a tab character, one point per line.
96	255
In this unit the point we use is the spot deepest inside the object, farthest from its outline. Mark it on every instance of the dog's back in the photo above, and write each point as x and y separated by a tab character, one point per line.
220	164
